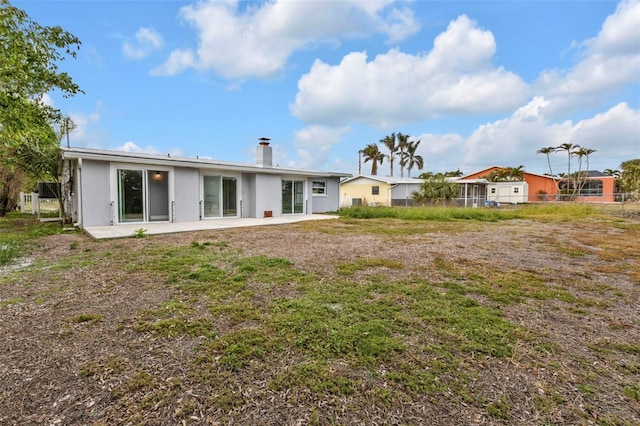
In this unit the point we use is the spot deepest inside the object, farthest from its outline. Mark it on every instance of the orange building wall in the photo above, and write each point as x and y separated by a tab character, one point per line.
540	183
545	183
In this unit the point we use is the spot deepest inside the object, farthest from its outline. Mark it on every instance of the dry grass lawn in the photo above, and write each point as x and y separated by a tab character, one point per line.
330	322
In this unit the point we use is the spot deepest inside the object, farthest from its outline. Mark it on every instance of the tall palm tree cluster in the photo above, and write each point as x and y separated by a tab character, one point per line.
400	148
573	183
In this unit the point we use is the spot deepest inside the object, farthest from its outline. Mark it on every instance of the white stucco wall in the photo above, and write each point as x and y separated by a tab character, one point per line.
268	195
329	202
187	194
96	200
249	195
404	191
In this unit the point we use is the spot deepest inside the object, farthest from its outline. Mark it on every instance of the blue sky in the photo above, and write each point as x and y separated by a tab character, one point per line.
479	83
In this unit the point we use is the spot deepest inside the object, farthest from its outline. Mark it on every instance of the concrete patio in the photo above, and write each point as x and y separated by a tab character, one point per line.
153	228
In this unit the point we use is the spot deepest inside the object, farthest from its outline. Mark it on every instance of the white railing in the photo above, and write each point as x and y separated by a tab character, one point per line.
31	204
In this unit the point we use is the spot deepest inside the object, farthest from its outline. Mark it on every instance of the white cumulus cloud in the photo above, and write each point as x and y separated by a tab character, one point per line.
607	63
239	40
614	134
313	144
130	146
456	77
148	40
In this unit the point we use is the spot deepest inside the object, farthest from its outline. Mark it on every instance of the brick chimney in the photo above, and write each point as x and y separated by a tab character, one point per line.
265	153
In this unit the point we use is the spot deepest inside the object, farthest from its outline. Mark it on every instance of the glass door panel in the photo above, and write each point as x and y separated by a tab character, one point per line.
298	196
292	196
287	196
130	196
211	196
229	197
158	195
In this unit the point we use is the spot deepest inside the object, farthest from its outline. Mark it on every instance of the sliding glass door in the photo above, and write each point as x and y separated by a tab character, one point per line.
211	187
143	195
229	197
220	196
292	196
130	196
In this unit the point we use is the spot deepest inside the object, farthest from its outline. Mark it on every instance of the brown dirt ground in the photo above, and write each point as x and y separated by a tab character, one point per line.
42	351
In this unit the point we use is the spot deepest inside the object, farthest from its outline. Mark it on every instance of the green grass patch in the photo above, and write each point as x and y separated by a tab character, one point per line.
505	287
174	327
632	391
499	408
236	311
317	377
175	318
11	301
238	349
445	214
19	232
90	318
367	263
554	212
104	367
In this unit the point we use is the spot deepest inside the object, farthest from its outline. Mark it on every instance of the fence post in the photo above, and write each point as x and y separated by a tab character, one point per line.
35	204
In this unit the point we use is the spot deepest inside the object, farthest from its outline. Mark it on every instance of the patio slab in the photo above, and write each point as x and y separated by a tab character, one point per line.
127	230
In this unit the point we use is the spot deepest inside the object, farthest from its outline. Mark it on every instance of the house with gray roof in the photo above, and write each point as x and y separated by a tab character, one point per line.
103	187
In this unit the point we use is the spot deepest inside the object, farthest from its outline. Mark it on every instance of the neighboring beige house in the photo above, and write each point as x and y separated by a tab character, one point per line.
378	191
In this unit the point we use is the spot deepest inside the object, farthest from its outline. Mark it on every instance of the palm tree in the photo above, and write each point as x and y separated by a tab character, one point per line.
580	179
612	172
569	147
546	151
587	153
390	143
372	153
403	143
516	173
411	158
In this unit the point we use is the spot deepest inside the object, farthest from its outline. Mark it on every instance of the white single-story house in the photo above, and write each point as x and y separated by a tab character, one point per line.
378	191
103	187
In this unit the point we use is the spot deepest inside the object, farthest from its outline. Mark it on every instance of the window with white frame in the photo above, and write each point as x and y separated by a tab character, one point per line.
319	187
516	190
375	190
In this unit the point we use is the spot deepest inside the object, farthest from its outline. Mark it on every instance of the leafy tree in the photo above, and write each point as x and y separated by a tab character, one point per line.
630	177
373	154
29	56
436	190
13	181
440	175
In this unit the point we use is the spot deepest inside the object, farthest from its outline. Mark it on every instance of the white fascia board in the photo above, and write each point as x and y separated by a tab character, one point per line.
159	160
